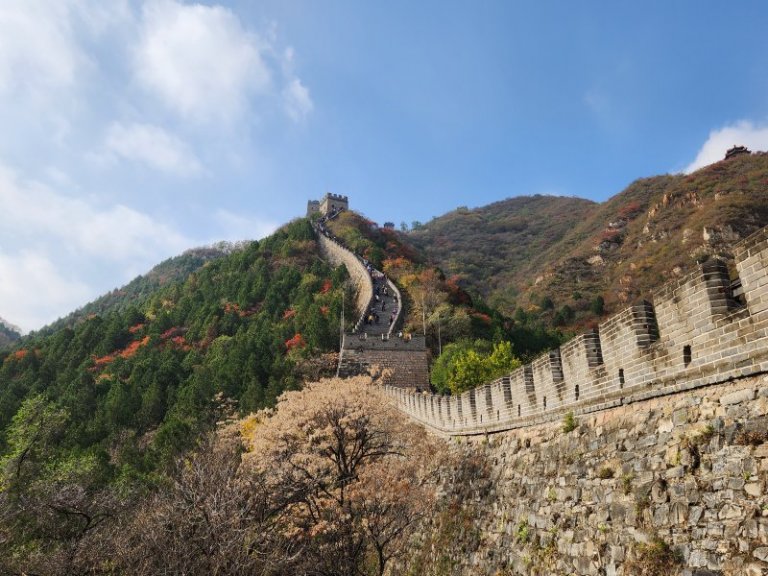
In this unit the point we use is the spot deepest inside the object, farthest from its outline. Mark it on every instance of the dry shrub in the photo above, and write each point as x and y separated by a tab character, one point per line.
655	558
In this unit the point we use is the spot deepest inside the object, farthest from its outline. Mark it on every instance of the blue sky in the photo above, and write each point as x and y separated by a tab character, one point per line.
132	130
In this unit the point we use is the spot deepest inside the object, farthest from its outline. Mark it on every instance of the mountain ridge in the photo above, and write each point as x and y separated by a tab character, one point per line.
603	255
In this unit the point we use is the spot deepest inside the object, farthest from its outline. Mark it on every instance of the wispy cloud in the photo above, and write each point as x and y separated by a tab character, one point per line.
89	88
742	133
242	226
38	48
297	101
153	146
57	240
34	291
199	60
204	64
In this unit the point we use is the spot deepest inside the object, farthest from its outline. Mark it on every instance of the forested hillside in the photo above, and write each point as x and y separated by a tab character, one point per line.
435	304
106	419
141	288
567	261
106	405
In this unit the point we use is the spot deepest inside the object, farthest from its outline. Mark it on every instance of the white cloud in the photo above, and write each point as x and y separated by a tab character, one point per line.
34	292
297	101
742	133
30	211
44	233
199	60
38	50
240	227
153	146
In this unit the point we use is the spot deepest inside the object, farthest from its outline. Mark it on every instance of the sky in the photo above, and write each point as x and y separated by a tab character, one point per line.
131	131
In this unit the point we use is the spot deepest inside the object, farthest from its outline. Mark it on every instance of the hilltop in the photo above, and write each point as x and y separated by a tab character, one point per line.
171	271
569	261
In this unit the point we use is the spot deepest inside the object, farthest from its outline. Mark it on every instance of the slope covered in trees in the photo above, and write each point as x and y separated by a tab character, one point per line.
566	261
140	289
117	397
435	304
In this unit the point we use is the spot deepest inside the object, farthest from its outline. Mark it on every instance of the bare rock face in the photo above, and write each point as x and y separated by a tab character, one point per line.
720	235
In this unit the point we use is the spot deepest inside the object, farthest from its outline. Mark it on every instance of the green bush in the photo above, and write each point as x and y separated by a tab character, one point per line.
569	422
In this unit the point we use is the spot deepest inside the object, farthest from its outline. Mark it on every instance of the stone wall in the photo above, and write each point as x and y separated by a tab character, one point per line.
679	479
338	256
406	361
692	334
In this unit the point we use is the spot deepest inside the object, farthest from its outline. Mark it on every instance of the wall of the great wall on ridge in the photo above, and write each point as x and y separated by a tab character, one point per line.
694	333
361	279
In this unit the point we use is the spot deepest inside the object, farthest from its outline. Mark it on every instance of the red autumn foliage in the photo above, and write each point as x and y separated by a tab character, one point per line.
611	235
296	342
181	343
290	313
136	328
456	295
327	285
133	347
324	310
103	361
482	317
231	307
20	354
126	352
171	332
630	210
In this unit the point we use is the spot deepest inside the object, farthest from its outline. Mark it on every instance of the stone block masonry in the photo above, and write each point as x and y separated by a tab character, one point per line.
359	276
693	333
406	361
689	469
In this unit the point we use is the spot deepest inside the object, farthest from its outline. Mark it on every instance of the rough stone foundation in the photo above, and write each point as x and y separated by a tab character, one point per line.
687	470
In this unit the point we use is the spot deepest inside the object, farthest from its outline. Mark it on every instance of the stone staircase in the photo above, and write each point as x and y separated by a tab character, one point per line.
376	342
404	361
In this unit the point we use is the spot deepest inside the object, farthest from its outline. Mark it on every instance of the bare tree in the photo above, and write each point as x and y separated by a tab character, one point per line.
353	471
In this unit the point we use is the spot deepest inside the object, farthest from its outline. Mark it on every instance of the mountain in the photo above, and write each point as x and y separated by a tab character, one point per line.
8	333
139	381
567	261
137	291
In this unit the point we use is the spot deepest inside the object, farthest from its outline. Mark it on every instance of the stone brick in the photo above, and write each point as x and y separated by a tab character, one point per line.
737	397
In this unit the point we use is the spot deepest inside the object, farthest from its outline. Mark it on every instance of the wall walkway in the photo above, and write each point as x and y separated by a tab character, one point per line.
374	342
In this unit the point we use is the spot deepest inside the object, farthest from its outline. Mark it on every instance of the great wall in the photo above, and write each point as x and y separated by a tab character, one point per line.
694	333
374	345
664	449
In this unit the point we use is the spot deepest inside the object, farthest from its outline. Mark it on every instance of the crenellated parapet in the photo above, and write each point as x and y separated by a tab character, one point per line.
694	332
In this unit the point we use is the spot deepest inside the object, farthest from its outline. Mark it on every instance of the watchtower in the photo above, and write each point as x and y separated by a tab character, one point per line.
332	203
313	207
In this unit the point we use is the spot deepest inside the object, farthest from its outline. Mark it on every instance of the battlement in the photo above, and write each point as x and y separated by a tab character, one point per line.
693	333
339	197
